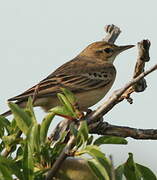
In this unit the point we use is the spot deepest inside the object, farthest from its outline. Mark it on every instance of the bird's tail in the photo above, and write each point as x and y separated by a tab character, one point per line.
22	104
7	113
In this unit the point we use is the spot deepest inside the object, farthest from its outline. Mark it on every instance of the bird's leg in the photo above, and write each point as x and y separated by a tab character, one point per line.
88	111
76	109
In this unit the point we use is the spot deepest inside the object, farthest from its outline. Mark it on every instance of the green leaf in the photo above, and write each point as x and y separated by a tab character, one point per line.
61	110
40	175
28	164
119	172
82	134
10	167
109	140
69	95
98	170
73	129
60	143
95	169
100	157
45	126
14	128
2	146
146	172
10	140
93	151
66	104
83	130
29	110
4	123
131	171
34	137
73	101
19	154
1	131
5	173
90	140
21	117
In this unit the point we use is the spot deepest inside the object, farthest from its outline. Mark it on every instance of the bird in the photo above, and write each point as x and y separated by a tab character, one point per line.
89	76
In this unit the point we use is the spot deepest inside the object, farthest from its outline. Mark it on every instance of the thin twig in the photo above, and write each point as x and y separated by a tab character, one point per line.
142	58
61	158
112	33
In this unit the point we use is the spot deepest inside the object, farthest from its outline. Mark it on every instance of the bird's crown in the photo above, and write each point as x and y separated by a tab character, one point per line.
104	51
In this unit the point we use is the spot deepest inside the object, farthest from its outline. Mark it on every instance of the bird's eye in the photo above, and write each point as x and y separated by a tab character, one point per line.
108	50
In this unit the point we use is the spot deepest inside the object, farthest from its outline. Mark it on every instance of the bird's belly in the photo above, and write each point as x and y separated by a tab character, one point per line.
85	99
47	103
90	98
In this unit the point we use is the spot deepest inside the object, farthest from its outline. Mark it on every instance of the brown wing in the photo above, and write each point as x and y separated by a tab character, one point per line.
91	75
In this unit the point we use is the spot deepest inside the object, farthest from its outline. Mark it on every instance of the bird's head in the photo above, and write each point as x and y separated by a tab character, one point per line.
104	51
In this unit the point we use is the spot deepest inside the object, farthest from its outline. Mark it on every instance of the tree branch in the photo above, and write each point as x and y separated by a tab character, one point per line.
115	97
104	128
142	58
61	158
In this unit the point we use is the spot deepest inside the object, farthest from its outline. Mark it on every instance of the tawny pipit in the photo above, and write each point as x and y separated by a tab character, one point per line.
89	76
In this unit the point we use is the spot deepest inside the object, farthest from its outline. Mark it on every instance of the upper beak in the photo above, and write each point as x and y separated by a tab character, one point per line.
123	48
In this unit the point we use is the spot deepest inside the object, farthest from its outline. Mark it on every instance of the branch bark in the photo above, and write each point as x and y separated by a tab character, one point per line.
61	158
112	33
104	128
142	58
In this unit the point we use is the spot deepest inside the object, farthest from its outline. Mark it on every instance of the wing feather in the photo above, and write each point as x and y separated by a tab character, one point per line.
73	78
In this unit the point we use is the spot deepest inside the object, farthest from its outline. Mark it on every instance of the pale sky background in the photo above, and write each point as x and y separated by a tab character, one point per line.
37	36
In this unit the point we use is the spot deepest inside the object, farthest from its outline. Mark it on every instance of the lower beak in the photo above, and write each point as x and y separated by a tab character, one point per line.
123	48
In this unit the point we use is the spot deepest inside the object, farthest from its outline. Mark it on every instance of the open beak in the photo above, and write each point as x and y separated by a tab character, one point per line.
123	48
